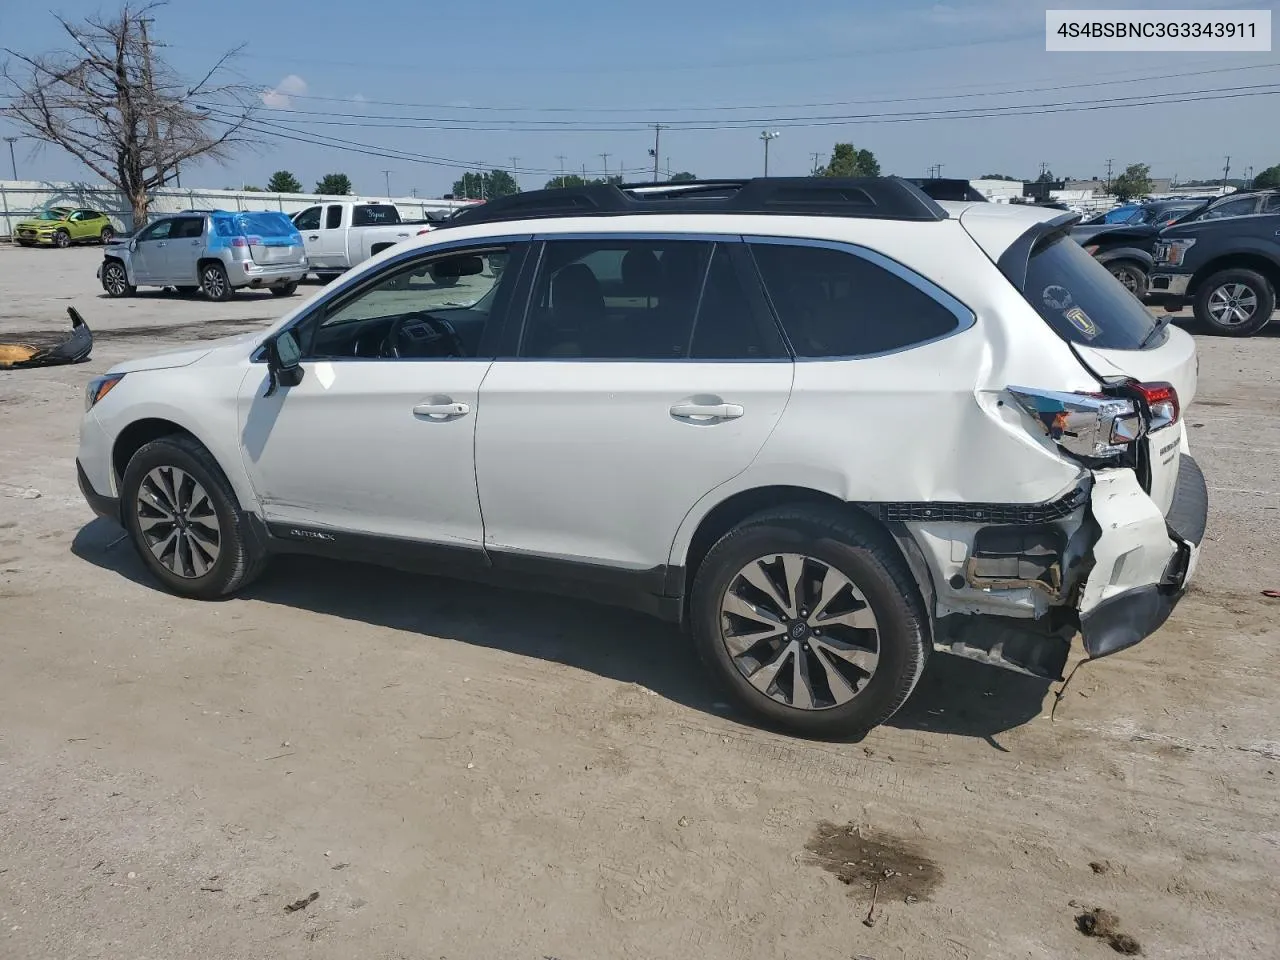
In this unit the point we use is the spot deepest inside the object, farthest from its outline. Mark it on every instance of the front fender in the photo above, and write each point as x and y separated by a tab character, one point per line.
1135	254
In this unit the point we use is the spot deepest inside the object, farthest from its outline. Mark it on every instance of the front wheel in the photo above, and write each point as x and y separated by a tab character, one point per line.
811	621
185	522
115	280
285	289
62	239
1131	276
214	281
1237	303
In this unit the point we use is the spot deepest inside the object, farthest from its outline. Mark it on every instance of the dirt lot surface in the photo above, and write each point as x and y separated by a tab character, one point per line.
449	771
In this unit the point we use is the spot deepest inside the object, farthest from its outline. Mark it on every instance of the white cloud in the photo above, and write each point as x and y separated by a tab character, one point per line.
280	97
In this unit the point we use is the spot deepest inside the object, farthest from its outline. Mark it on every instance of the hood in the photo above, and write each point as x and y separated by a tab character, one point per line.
37	224
185	356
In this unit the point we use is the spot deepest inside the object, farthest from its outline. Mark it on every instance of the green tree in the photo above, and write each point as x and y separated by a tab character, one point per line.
334	184
1046	177
997	176
846	161
1268	178
1134	182
485	186
282	181
250	188
564	180
682	177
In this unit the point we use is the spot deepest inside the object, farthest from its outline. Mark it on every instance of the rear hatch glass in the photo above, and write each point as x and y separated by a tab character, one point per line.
272	236
1082	301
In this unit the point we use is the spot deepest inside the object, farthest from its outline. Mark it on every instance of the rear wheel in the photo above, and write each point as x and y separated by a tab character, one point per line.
61	239
107	235
1237	303
811	621
115	280
285	289
185	522
1131	276
214	281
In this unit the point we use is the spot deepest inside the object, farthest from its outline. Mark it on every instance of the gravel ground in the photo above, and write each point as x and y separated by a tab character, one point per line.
465	772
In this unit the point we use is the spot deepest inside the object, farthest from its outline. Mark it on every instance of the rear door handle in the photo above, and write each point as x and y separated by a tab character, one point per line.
707	411
442	411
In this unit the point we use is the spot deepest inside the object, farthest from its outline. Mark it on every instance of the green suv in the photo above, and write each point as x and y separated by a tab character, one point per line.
63	226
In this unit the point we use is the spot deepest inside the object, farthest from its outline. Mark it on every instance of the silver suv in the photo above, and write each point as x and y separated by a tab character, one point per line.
215	251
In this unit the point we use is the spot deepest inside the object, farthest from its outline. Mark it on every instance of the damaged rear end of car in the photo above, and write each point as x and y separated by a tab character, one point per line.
1111	556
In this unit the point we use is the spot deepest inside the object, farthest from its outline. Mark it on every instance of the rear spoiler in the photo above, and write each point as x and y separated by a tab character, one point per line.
1013	262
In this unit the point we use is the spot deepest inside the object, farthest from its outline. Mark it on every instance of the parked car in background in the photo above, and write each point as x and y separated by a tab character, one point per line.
1228	268
1120	214
1125	248
685	399
217	253
63	226
1237	205
341	233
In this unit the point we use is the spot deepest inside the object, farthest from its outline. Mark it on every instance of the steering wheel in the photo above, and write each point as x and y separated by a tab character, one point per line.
396	344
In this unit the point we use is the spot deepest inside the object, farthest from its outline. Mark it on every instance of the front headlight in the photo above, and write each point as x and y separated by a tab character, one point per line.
1176	251
99	387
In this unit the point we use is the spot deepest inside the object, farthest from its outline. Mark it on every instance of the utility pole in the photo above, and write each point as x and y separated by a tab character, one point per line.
938	167
1249	177
413	192
584	174
387	177
605	158
657	134
813	172
12	162
766	136
514	162
1226	170
1043	167
1110	160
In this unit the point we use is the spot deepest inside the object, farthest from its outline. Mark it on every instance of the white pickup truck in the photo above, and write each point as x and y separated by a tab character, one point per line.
339	234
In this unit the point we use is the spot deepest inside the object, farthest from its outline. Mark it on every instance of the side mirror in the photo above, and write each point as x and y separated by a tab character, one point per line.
284	362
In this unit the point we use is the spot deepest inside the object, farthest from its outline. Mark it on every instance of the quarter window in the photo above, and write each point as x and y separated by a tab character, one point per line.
333	217
836	304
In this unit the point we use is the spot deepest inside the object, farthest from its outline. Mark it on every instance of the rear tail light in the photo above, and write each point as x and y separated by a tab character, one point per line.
239	242
1091	425
1099	426
255	241
1161	401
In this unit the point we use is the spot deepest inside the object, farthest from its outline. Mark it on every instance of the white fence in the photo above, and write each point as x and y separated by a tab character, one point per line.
22	199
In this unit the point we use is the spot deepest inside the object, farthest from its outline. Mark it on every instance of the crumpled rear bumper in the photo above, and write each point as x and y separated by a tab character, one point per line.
1143	560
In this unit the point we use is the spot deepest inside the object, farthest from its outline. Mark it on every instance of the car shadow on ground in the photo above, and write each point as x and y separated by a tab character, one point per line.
955	696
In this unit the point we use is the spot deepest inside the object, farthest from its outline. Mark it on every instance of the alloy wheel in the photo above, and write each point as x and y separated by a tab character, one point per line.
1127	280
108	235
115	281
800	631
1233	304
215	284
62	239
178	522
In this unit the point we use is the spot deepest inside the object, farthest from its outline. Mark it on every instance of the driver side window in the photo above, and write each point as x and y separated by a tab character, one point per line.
437	307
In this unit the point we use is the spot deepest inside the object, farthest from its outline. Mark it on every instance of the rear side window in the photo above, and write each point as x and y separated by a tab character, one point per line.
186	228
333	217
374	214
1080	299
833	303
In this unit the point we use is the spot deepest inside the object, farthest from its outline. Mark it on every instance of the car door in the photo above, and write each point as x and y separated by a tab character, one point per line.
308	224
332	246
183	249
76	224
376	444
648	373
149	252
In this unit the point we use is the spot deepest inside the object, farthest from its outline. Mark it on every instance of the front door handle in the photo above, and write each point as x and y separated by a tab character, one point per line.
442	411
314	236
707	411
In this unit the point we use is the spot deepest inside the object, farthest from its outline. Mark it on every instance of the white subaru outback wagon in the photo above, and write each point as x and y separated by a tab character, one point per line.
830	426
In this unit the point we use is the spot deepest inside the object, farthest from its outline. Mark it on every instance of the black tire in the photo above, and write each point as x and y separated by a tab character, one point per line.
214	281
61	239
187	290
107	235
1217	293
285	289
115	280
239	560
871	561
1131	276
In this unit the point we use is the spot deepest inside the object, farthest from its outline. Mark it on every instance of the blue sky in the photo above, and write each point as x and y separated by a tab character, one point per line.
597	64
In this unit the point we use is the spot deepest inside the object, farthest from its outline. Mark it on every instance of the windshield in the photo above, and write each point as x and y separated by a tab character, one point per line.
57	213
374	213
1081	300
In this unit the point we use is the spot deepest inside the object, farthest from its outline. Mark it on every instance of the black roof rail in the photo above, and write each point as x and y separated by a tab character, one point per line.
879	198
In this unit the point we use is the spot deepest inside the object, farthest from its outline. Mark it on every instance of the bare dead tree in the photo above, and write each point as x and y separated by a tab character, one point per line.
122	111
